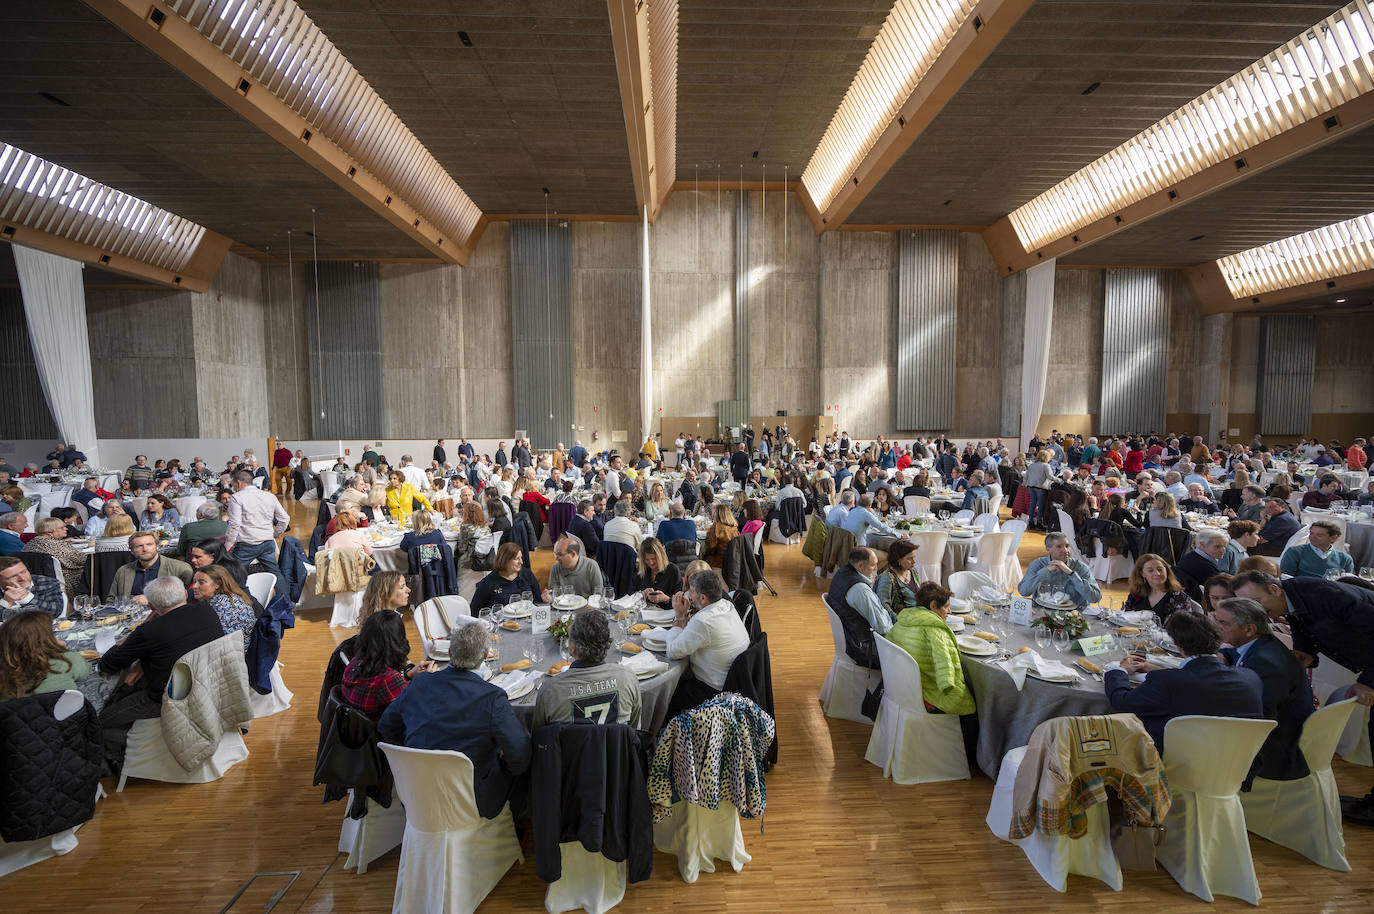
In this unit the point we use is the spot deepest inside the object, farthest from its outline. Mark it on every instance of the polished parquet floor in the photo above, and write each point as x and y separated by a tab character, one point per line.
837	836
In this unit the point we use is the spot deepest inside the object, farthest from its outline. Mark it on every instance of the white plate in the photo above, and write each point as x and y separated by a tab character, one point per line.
976	647
524	611
524	690
955	623
1067	678
652	644
569	602
1048	605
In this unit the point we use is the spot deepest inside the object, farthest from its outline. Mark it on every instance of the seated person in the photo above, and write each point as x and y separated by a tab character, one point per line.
422	532
920	486
1202	561
723	529
158	512
402	496
1319	556
1277	529
1251	505
50	538
212	552
592	689
753	518
96	525
1153	586
208	525
12	527
921	632
1244	536
216	588
115	536
380	669
1199	500
622	528
860	520
453	708
1060	571
1202	685
659	579
386	593
348	536
1164	513
1244	625
33	661
20	591
1214	590
1328	490
174	629
839	512
977	488
709	634
346	507
506	582
898	584
148	565
582	527
573	570
861	613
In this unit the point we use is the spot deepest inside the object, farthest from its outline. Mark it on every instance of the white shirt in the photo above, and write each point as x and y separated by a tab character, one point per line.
623	530
612	483
711	640
414	475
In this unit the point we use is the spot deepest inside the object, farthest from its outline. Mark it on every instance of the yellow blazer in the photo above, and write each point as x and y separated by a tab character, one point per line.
400	502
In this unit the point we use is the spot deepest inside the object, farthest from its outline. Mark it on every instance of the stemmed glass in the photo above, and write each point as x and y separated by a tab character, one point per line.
608	597
1043	637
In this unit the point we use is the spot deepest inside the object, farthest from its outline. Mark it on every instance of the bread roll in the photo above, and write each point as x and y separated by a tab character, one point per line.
517	665
639	627
1128	630
1024	650
511	625
1088	665
558	667
986	636
630	647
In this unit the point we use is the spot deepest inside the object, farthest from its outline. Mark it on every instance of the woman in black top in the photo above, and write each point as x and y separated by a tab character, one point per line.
510	579
659	578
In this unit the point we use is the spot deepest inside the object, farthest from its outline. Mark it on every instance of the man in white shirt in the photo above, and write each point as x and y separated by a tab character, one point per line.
1173	484
413	474
622	528
709	634
613	477
679	445
836	516
256	519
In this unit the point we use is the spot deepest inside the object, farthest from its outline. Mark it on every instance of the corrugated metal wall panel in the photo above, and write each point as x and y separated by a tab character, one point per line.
345	343
541	328
927	317
1287	364
26	407
1135	351
742	284
732	414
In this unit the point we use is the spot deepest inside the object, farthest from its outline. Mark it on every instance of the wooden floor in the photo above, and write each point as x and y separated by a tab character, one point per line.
837	836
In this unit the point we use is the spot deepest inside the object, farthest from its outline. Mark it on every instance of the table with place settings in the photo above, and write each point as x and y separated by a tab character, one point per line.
96	629
960	545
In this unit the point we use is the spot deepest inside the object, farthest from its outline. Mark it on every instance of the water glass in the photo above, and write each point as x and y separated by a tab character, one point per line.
564	651
526	599
536	650
608	595
1061	640
1043	638
485	617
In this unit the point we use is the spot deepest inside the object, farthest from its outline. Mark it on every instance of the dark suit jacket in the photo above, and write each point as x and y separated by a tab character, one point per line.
1204	686
1276	532
1287	699
582	528
1192	570
1336	620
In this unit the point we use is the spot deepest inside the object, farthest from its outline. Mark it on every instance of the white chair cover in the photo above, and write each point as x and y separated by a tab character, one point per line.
1205	847
1066	527
147	756
911	745
188	505
987	521
1017	527
963	583
930	554
451	857
139	502
1353	745
995	505
775	535
329	482
992	558
915	504
590	882
347	608
275	701
379	831
1305	815
698	837
1055	856
435	620
842	693
467	582
261	585
1108	568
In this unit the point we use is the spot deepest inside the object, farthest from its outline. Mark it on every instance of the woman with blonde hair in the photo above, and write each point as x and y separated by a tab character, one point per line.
385	590
115	537
50	538
422	532
723	529
659	578
1165	513
657	505
401	497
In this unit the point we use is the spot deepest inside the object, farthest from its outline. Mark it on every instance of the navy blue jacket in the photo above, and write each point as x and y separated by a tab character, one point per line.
1287	699
264	642
1204	686
582	528
454	709
677	528
1336	620
291	560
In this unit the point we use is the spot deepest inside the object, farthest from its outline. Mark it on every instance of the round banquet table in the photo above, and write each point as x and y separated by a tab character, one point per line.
81	635
1006	717
959	550
654	693
387	553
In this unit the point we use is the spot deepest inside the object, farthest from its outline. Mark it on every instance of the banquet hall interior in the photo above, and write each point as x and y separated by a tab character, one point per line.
1044	303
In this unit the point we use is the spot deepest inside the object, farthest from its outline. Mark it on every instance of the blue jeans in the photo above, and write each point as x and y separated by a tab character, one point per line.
265	554
1039	498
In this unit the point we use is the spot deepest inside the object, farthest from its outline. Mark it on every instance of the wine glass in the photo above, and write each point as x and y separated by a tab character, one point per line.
608	597
564	651
526	600
1061	640
536	650
1043	637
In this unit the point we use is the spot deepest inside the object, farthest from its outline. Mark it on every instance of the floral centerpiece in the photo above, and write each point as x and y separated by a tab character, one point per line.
1069	621
559	627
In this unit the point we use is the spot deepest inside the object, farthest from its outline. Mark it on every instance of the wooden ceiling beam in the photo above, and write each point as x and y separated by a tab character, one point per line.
1213	296
648	93
174	40
199	272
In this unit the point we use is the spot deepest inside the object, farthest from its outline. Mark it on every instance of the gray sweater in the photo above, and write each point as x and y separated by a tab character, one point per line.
585	578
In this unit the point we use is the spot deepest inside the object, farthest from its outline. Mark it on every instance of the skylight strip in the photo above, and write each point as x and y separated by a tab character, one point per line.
49	198
910	40
283	49
1321	254
1326	66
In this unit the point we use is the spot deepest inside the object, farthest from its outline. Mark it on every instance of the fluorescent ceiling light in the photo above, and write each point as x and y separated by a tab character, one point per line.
49	198
276	43
914	35
1324	67
1321	254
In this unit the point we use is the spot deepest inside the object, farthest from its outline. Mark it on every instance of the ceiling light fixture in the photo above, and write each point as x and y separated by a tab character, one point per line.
1321	254
911	39
1324	67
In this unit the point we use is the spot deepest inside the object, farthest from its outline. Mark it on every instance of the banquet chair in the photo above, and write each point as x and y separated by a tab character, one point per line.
435	620
1305	815
915	504
930	554
64	722
965	515
560	515
1066	527
910	744
147	755
987	521
991	560
451	857
261	585
379	831
1205	846
963	584
1017	527
1353	746
846	684
348	604
995	505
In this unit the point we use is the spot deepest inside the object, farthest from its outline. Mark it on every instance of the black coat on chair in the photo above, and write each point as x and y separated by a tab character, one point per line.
751	675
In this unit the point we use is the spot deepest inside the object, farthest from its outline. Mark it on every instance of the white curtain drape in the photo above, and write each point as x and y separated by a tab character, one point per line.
1035	345
646	354
55	307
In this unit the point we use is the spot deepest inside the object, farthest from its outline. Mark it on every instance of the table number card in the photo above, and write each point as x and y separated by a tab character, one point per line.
1020	611
1099	644
540	618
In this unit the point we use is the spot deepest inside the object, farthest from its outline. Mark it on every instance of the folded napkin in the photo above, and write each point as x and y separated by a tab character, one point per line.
1134	617
658	616
657	635
513	681
644	664
990	594
1059	596
1017	666
628	602
957	603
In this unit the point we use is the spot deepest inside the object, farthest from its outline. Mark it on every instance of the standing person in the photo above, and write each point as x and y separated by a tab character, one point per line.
440	457
739	464
1039	476
256	519
281	469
